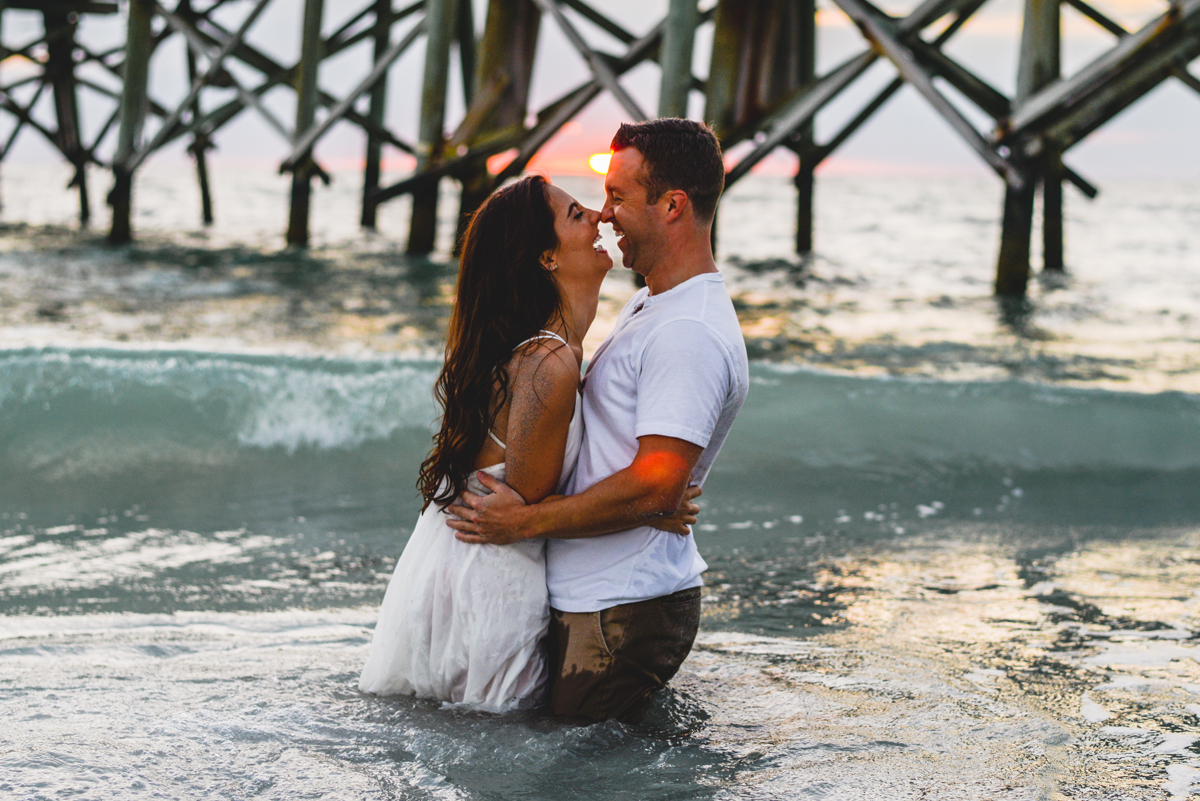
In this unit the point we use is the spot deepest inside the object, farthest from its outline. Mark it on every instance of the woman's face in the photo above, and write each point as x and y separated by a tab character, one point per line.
579	254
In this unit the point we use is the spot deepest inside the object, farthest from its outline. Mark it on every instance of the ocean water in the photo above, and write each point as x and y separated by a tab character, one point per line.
954	544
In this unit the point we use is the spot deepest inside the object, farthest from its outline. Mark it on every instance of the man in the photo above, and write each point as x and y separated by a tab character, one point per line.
659	398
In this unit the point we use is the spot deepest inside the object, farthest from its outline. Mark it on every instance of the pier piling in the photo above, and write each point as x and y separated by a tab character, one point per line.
762	88
311	48
135	75
439	35
60	28
679	37
500	99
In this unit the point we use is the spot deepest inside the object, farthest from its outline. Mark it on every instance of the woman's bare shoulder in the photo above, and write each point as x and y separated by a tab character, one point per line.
548	367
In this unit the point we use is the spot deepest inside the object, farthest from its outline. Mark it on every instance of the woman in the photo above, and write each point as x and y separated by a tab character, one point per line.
464	623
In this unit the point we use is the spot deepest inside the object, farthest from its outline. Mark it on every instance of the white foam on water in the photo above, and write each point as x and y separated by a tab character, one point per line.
1091	711
105	560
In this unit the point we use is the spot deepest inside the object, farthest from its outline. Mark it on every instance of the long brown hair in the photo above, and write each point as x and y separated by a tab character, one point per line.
504	297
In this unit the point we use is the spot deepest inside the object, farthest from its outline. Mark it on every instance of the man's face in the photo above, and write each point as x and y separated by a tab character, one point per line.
634	221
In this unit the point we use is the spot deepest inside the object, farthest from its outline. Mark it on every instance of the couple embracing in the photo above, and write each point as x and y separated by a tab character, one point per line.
553	559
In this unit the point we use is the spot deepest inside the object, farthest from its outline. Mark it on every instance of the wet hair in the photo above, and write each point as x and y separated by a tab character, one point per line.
678	154
504	297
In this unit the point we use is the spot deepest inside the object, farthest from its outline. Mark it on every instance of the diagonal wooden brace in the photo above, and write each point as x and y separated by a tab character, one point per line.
878	31
216	61
304	146
597	65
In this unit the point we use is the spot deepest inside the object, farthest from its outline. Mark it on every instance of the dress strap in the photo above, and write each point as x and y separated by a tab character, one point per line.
543	334
496	440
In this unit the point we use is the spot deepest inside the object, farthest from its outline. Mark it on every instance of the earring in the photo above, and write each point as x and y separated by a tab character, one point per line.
553	266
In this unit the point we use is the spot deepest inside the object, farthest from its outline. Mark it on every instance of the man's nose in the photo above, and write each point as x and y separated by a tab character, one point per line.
606	213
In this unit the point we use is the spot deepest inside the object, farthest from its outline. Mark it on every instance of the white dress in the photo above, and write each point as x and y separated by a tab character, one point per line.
464	623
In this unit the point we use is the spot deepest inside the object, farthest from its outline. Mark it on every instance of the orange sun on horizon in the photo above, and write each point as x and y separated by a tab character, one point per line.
599	162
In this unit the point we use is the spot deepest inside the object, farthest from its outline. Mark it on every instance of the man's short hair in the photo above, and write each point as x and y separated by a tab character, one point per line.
677	154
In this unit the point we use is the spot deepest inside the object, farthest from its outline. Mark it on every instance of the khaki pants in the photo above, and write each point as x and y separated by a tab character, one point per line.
608	664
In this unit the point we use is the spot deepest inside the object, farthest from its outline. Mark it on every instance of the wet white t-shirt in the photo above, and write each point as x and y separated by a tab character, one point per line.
675	365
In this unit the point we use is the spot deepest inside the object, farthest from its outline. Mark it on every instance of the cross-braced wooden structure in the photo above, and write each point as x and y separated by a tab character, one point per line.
762	87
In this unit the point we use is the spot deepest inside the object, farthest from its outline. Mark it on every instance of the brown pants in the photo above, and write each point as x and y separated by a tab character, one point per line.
608	664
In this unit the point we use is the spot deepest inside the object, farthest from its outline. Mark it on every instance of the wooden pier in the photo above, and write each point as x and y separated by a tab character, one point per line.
762	87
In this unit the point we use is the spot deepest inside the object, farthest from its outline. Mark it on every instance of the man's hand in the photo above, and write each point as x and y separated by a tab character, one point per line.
496	519
684	516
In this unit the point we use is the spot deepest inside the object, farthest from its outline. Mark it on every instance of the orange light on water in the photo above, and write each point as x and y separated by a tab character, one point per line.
599	162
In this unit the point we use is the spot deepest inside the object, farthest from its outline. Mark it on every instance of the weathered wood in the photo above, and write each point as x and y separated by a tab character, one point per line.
60	71
806	73
560	112
464	31
1118	30
161	137
249	99
885	35
133	112
306	109
305	141
277	74
372	163
1016	229
439	28
1052	215
1114	77
597	65
200	142
803	105
501	93
679	36
1037	67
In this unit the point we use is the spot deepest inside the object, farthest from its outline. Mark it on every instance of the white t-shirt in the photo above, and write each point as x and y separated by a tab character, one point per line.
675	365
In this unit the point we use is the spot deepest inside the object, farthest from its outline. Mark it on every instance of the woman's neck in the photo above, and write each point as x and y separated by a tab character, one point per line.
578	312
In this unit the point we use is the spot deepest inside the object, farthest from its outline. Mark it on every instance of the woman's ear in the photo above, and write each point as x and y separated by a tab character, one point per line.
548	262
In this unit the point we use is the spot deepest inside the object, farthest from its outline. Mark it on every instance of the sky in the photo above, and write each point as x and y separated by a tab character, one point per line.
1156	138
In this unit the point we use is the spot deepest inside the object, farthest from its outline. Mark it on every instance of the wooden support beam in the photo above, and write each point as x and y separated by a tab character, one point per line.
439	26
200	144
215	65
558	113
381	32
595	63
1037	67
249	99
600	21
1052	215
464	25
1118	30
501	96
1016	230
1073	107
60	72
133	113
804	104
302	150
885	35
679	36
311	46
806	64
277	74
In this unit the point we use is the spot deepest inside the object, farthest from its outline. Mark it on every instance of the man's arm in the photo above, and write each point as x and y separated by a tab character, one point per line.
651	487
